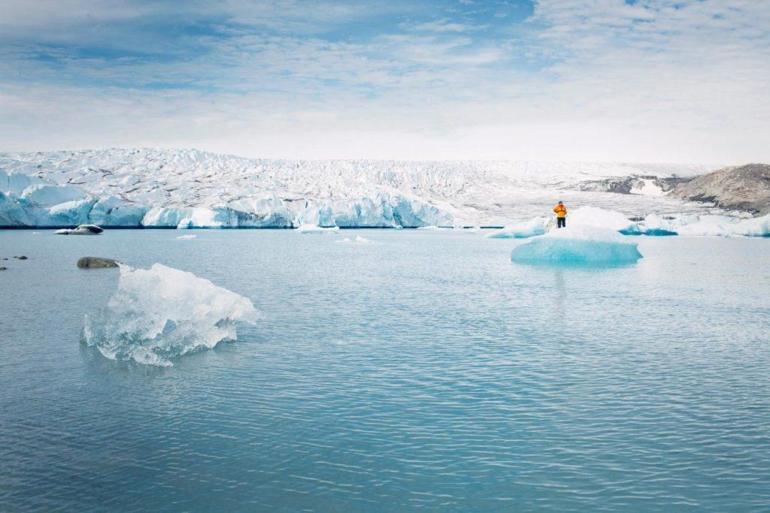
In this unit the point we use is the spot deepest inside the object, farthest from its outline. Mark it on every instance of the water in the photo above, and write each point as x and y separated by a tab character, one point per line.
422	372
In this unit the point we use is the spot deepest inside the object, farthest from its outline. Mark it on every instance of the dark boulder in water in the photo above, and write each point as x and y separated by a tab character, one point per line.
22	257
97	263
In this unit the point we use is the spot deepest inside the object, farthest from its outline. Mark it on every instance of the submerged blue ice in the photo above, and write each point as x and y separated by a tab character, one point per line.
581	245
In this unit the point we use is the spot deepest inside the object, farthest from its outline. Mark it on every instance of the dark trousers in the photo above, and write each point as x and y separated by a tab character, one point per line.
561	222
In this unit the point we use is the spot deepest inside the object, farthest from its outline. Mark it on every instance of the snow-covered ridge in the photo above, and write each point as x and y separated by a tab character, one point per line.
190	188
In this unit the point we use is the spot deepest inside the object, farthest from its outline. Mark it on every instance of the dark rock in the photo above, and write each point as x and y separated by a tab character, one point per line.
96	263
628	184
3	268
738	188
22	257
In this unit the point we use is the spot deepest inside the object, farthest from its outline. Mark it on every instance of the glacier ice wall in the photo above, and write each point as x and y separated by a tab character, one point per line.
189	188
161	313
578	246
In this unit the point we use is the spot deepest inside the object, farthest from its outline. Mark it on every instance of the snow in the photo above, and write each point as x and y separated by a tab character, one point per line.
189	188
647	187
161	313
578	246
531	228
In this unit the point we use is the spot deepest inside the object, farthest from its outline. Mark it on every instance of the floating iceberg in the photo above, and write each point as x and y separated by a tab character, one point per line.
756	227
524	230
724	226
602	218
356	240
161	313
578	245
655	225
312	228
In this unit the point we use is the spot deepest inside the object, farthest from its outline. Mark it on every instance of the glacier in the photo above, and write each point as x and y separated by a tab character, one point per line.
578	246
161	313
164	188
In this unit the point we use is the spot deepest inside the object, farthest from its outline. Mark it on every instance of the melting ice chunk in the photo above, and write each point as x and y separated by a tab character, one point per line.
578	245
161	313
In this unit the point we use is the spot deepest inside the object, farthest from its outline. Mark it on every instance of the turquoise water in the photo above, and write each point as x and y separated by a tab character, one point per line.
422	372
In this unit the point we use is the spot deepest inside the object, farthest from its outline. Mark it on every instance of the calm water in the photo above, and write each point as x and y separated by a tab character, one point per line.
423	372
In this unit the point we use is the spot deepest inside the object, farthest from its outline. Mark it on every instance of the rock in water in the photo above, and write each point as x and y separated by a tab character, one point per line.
22	257
96	263
740	188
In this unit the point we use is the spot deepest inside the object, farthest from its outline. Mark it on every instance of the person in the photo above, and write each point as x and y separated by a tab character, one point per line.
561	215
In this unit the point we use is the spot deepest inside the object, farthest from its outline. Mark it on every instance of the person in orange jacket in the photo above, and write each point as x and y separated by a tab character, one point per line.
561	215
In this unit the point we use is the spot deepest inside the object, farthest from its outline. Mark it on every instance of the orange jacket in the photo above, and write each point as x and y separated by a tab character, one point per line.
560	210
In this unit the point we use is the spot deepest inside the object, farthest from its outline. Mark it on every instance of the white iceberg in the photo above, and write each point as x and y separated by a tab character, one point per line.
312	228
161	313
531	228
83	229
602	218
580	246
756	227
723	226
356	240
655	225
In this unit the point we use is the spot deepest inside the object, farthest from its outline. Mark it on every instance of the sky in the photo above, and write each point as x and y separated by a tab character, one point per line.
679	81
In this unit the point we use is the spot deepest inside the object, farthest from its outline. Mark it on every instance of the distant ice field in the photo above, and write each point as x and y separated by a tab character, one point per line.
421	370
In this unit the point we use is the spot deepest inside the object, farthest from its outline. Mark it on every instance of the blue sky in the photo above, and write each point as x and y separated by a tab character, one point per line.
644	80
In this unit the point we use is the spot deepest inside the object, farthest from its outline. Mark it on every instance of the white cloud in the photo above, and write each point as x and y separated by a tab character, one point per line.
581	79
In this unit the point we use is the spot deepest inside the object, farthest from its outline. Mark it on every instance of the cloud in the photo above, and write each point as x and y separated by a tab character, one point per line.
653	80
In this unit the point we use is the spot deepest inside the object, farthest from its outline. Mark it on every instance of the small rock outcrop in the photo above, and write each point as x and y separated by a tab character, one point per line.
96	263
737	188
632	184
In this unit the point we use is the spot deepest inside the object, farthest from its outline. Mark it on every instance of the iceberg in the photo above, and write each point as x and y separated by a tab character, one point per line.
356	240
312	228
602	218
531	228
723	226
655	225
578	246
706	225
161	313
756	227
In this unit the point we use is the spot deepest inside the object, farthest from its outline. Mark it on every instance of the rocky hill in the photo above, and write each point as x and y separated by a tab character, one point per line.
736	188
